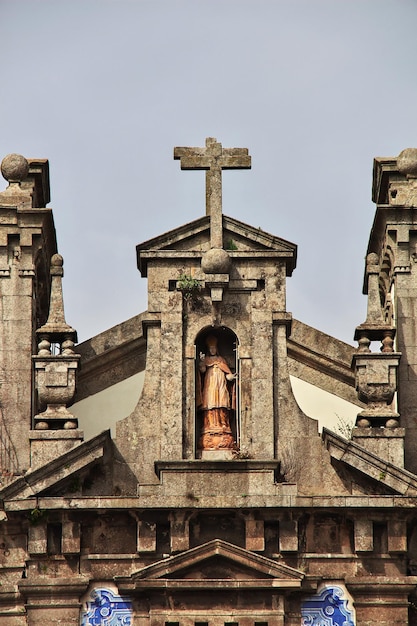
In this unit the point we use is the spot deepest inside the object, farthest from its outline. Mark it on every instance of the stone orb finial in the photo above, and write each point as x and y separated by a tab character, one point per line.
407	162
57	260
215	261
14	168
57	263
372	259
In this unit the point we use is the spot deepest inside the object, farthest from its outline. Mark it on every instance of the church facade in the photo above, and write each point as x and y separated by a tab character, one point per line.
214	499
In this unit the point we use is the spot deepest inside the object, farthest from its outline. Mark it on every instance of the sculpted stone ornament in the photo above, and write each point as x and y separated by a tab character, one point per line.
215	399
56	363
216	261
404	192
376	384
14	168
375	373
213	158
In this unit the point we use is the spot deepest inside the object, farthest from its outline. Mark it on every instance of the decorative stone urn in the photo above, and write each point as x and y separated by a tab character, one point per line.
55	383
376	384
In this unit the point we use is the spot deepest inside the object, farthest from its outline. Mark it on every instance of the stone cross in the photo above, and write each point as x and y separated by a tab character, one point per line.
213	158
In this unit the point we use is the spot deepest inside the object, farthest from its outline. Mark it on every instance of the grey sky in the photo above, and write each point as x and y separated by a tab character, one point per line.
314	88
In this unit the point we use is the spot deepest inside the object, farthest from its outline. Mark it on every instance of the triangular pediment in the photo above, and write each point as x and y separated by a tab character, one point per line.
56	473
212	562
239	239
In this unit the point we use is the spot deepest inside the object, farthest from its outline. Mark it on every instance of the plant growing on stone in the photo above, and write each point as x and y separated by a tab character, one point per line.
36	516
242	454
190	287
231	245
344	427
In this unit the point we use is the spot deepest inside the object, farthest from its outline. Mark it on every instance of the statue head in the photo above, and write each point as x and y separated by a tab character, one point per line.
211	343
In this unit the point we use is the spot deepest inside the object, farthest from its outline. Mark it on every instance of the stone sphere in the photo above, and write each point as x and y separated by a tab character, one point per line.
14	168
215	261
392	423
57	260
407	162
372	258
363	423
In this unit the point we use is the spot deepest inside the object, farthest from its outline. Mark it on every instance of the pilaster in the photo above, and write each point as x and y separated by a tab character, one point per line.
53	600
381	601
27	242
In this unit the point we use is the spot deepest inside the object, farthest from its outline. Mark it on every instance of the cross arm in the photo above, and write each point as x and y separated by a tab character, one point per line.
201	159
238	161
193	158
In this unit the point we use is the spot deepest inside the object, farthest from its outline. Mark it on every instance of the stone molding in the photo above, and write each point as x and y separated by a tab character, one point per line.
371	465
268	573
52	473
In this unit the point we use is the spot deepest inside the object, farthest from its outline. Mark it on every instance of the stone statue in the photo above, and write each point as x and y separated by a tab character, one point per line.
215	399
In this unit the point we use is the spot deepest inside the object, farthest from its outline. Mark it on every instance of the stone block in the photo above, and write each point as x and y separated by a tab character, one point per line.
386	443
288	535
146	536
179	533
255	538
364	539
397	536
37	538
70	537
48	445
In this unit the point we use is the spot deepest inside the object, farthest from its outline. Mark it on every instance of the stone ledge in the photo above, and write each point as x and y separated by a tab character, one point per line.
386	433
202	466
38	435
154	501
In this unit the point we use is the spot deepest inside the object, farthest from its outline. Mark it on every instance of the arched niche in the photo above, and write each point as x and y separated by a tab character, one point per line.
217	393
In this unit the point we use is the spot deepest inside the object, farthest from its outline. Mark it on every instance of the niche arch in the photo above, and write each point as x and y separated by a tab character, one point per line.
217	392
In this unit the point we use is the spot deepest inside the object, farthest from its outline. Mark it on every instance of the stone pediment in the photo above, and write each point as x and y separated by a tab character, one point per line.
54	475
216	563
239	239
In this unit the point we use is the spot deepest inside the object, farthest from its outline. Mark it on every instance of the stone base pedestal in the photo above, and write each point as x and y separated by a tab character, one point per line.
217	455
46	445
386	443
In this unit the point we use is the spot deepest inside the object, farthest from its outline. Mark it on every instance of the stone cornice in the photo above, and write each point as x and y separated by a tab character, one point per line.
260	244
279	501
